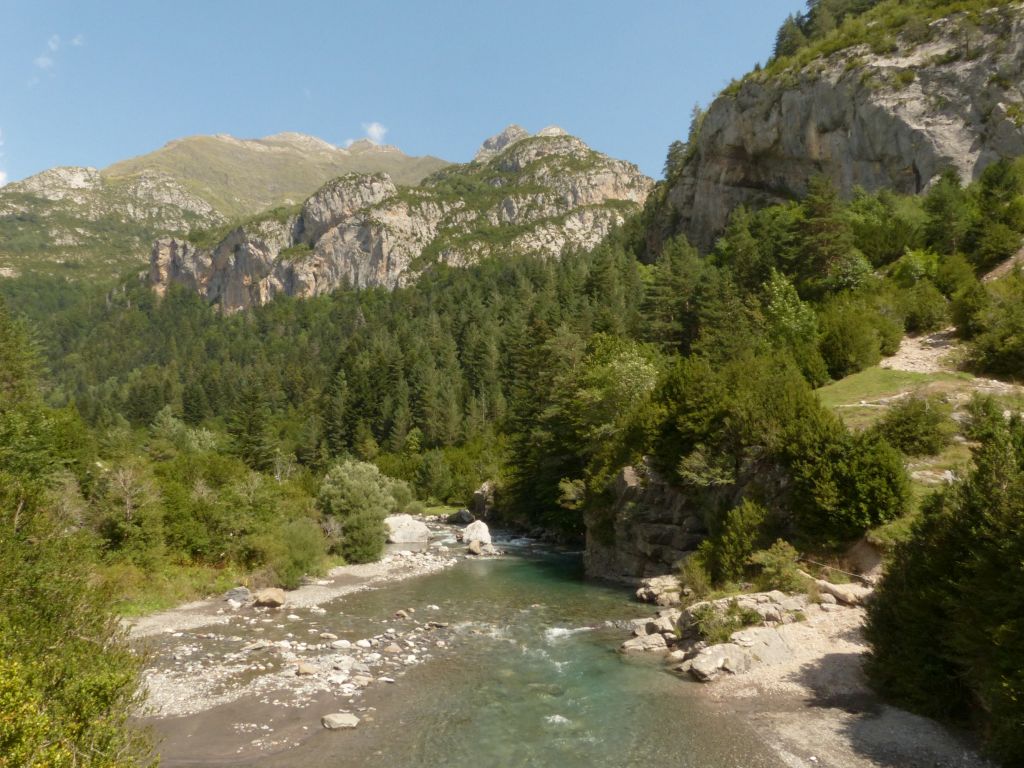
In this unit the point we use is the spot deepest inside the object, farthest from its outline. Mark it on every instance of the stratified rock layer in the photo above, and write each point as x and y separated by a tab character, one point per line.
539	195
892	121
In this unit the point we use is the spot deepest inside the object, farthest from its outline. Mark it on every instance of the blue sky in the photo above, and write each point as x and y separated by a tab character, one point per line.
92	82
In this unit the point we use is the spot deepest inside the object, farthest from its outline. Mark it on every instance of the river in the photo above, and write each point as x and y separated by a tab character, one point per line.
529	676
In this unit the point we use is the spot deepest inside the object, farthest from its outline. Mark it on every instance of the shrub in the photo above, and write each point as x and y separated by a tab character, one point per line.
297	549
716	625
925	308
918	426
778	568
849	340
729	549
693	575
363	538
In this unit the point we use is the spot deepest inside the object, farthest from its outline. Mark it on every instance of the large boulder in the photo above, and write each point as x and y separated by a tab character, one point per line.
462	517
405	529
272	597
661	590
477	531
715	659
644	643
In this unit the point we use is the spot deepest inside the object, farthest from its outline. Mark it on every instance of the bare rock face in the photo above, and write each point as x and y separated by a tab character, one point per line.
647	531
544	194
497	143
894	121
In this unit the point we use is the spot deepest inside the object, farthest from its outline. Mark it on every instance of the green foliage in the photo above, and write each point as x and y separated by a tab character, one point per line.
717	626
946	624
727	553
295	550
918	426
356	497
778	568
850	339
925	308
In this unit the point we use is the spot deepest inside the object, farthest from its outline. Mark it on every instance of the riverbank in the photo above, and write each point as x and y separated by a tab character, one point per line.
814	707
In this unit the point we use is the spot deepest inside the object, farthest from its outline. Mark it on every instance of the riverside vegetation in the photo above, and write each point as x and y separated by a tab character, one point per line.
155	449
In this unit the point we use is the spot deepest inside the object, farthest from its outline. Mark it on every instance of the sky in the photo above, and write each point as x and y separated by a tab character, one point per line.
90	83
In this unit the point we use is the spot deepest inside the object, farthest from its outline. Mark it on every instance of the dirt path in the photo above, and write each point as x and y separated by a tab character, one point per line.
932	353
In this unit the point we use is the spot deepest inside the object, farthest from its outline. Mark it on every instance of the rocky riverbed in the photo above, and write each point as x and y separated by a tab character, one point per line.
796	675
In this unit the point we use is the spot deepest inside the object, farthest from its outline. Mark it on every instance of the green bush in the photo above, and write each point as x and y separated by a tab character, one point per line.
849	339
693	575
295	550
779	568
363	537
925	308
918	426
717	626
729	549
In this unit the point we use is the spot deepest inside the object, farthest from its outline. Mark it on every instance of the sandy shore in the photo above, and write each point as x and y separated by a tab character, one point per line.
816	708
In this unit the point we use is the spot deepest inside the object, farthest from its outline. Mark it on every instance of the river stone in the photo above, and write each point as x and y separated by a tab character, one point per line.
403	529
711	661
662	590
341	645
304	669
477	531
339	720
462	517
272	597
475	547
643	644
238	594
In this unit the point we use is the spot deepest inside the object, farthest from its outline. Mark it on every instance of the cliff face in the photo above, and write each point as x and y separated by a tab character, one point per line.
950	98
648	530
105	220
536	195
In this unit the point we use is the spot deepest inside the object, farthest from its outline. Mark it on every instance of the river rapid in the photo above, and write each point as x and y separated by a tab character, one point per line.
528	676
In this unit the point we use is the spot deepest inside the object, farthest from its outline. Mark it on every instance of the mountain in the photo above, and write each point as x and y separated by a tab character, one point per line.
887	101
103	221
540	194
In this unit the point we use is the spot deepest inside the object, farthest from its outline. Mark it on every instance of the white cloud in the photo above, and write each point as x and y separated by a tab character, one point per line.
43	62
3	178
53	43
375	132
78	40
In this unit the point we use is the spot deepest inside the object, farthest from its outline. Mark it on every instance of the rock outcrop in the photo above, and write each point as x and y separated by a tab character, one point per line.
107	219
405	529
647	531
950	98
538	195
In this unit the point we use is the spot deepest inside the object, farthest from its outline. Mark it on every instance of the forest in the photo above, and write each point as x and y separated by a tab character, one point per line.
165	450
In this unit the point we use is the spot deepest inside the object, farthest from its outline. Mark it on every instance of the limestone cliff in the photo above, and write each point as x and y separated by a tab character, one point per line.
538	195
104	221
949	95
649	528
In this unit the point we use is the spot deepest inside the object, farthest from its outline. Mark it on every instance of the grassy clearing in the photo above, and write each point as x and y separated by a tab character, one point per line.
875	383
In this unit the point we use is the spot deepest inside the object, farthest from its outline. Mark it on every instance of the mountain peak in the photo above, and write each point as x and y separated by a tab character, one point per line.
500	141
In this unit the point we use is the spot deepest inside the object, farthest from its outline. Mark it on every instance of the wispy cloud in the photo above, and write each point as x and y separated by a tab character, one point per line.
46	61
373	131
